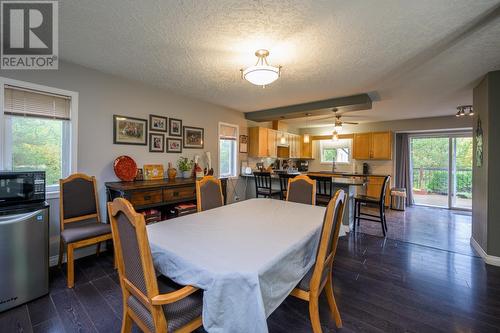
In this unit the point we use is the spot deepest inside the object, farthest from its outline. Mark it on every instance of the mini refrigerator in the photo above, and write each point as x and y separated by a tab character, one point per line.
24	254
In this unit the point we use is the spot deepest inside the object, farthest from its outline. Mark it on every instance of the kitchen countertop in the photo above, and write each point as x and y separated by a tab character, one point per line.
344	174
335	180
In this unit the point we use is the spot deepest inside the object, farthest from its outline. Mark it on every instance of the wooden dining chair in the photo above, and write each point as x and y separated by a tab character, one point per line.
154	304
263	185
209	193
80	220
302	189
378	201
324	189
320	275
284	178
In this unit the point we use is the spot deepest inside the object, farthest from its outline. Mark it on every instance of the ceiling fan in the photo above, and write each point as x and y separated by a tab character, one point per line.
338	120
337	125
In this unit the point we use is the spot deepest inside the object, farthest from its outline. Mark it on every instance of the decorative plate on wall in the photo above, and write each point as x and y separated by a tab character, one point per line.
125	168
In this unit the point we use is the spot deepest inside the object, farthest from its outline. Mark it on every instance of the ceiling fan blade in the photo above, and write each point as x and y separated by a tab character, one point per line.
322	118
350	122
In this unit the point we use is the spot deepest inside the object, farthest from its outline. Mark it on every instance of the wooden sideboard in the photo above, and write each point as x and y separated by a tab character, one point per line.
144	194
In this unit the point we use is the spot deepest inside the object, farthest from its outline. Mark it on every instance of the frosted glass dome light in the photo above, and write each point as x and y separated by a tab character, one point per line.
261	74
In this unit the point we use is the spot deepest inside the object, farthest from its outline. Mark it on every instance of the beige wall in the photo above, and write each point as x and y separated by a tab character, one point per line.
101	96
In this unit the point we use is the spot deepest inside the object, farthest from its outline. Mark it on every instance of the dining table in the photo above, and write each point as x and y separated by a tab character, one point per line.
246	257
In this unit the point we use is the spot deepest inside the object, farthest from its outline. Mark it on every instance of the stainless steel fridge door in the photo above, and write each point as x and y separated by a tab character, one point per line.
24	257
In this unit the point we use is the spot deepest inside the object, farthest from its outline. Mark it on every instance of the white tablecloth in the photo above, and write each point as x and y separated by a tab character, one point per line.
247	257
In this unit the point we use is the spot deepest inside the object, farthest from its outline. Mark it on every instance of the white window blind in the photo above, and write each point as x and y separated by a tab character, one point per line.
228	132
31	103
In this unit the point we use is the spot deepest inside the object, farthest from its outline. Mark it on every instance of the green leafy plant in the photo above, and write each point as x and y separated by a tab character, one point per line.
184	164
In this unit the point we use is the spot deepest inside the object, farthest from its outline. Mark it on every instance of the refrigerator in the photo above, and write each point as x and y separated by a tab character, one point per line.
24	254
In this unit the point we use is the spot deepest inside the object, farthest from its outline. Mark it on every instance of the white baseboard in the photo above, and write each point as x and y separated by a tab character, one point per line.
80	253
490	260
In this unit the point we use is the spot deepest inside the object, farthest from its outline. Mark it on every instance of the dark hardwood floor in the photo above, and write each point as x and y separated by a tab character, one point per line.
440	228
381	285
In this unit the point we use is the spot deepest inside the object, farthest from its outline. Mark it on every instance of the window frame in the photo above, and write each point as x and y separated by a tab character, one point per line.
320	148
52	191
236	153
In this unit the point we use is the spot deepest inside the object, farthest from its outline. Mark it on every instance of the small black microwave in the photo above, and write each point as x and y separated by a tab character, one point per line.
21	187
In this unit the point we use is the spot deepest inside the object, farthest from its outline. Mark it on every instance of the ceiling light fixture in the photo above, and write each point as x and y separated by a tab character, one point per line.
461	110
338	126
335	136
283	139
306	136
261	74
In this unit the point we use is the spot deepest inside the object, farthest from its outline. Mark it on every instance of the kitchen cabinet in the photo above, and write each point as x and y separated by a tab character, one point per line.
272	143
382	145
372	146
294	146
258	142
262	142
361	146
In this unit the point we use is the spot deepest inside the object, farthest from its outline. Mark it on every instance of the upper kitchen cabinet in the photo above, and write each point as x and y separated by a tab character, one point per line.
262	142
294	146
361	146
372	146
258	142
272	143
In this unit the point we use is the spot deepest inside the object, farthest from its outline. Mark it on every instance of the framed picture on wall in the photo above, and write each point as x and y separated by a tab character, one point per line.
156	143
175	127
130	131
157	123
193	137
174	145
243	143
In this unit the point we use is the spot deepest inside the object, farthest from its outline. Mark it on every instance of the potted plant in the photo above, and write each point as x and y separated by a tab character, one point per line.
185	166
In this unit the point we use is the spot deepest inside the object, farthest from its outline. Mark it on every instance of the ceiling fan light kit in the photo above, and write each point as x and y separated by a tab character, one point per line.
261	74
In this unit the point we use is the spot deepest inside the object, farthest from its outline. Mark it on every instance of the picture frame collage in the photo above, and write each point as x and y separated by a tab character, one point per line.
164	134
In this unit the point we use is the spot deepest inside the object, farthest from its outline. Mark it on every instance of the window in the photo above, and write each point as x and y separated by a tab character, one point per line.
37	131
228	150
335	151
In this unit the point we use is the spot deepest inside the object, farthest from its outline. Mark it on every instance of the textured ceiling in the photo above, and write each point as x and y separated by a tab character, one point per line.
420	58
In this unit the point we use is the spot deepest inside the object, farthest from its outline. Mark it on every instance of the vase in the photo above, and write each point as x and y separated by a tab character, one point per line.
171	172
186	174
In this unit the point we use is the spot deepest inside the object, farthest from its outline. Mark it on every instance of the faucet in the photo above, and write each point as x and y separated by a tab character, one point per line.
333	166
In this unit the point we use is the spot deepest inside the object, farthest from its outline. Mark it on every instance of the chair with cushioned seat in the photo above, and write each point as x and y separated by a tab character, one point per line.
80	221
320	275
208	193
379	202
154	304
302	189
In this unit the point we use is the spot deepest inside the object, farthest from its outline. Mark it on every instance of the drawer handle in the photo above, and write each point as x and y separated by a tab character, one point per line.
176	194
147	197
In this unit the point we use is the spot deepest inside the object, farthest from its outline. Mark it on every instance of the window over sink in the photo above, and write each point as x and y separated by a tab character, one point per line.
339	151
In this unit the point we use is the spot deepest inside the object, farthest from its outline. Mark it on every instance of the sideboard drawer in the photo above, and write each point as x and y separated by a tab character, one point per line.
139	198
179	193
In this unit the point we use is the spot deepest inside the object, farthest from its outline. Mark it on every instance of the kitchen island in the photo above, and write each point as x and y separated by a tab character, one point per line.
348	184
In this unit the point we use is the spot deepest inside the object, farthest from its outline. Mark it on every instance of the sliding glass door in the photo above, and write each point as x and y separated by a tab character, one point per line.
442	170
461	195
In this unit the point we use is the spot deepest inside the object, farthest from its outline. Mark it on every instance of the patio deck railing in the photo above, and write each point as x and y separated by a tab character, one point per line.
435	180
